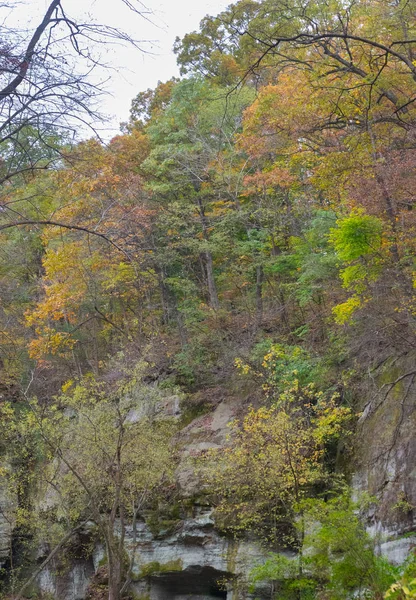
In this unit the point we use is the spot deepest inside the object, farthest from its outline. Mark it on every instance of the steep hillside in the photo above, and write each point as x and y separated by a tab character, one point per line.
207	325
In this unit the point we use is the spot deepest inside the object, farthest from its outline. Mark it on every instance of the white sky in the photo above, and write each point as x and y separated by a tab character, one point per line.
133	71
139	72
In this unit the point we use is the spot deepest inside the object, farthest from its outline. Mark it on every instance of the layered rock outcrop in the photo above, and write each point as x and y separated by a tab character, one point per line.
193	560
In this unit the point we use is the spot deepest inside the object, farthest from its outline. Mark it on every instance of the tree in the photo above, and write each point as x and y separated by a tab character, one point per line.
274	461
84	306
186	140
356	80
48	98
103	454
340	557
274	32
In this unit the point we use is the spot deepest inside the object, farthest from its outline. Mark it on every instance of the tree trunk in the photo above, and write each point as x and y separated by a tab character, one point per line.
212	289
259	295
114	582
170	307
165	298
391	212
115	568
114	542
388	200
209	268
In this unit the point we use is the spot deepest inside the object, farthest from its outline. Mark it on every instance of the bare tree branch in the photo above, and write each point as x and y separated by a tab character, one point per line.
68	226
27	59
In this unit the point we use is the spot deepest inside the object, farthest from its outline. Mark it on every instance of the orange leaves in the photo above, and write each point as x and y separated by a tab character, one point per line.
281	114
267	181
50	342
129	151
87	283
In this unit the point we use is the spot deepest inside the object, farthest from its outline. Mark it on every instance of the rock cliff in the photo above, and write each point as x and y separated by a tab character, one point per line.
193	560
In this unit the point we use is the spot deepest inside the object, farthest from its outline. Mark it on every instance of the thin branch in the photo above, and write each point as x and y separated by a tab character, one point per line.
27	59
48	559
71	227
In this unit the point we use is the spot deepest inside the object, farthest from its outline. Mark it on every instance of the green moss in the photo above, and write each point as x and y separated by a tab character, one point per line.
135	596
232	555
156	567
193	410
103	561
161	526
163	518
391	372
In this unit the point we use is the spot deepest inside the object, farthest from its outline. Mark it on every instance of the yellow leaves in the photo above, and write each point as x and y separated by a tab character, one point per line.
275	454
268	358
98	192
119	273
404	589
67	385
330	421
220	208
344	312
50	342
243	367
76	278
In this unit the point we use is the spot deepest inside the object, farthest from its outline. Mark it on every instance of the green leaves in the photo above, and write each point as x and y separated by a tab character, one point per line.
359	243
338	557
357	236
275	458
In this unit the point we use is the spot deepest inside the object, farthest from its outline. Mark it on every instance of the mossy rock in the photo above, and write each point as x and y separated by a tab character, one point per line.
193	410
163	519
155	567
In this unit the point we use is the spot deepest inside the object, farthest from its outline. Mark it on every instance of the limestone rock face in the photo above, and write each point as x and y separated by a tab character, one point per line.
194	562
385	453
71	585
205	432
7	506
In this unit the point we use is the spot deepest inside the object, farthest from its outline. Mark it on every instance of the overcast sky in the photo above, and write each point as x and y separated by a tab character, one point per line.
133	71
142	71
137	71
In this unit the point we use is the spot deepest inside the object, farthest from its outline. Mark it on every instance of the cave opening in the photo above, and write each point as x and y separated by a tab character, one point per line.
193	583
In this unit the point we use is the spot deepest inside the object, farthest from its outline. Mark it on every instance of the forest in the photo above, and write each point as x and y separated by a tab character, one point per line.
247	240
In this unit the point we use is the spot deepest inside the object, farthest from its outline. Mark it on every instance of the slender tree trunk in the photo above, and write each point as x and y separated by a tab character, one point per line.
259	295
209	265
388	200
165	298
212	289
115	565
170	307
129	574
114	542
285	316
391	212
